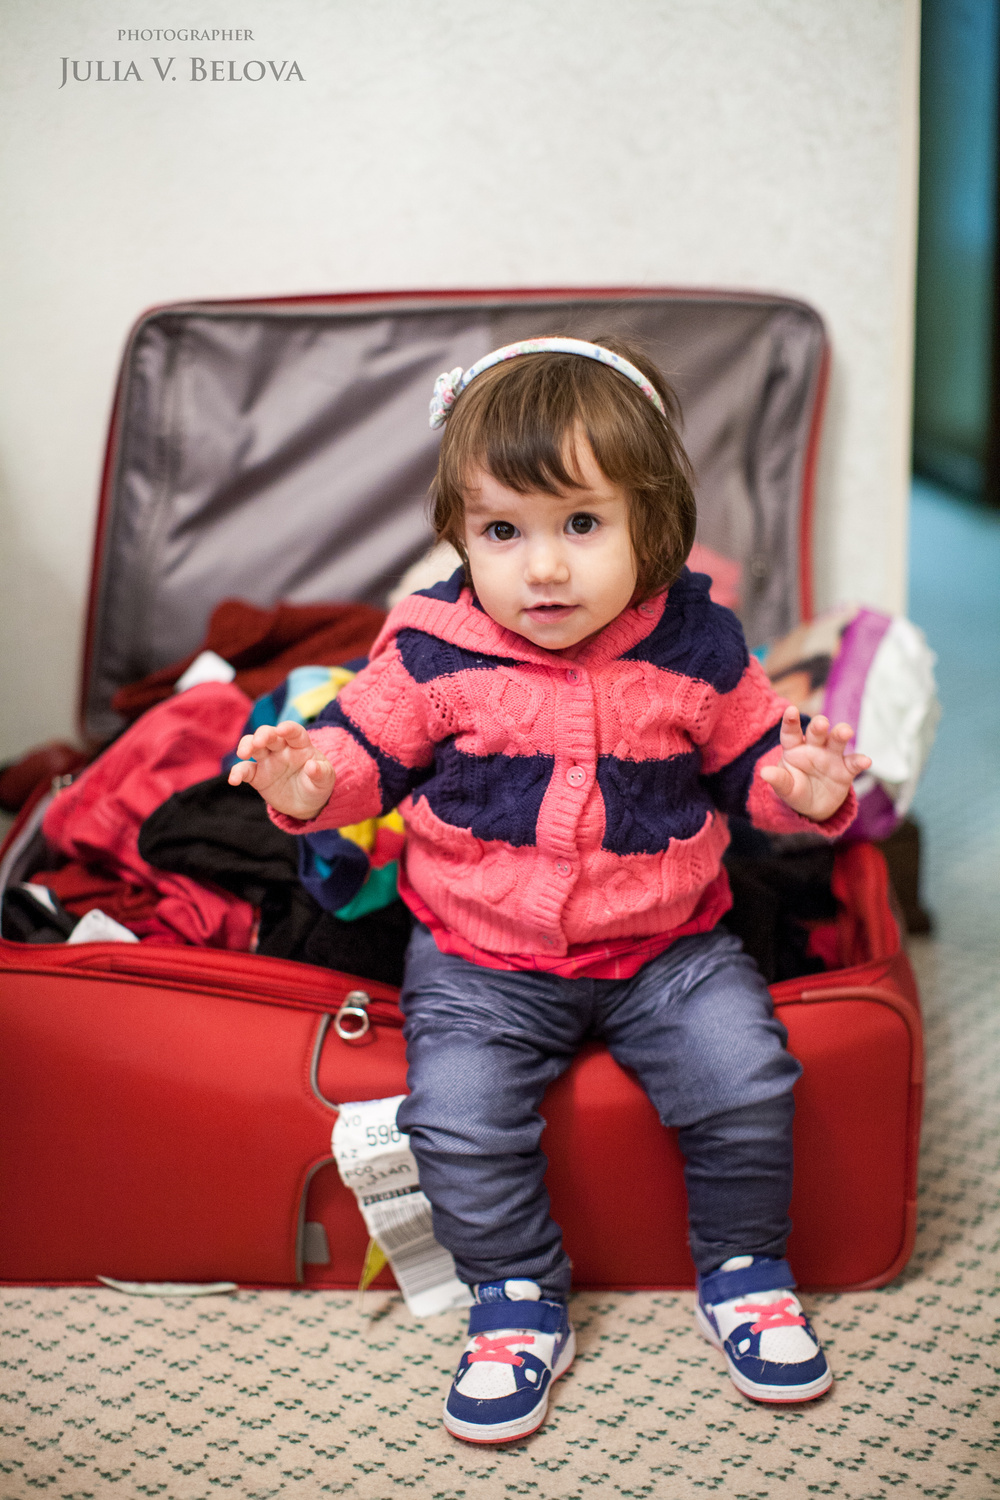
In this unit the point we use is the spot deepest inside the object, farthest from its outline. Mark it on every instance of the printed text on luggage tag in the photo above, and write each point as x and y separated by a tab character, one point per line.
374	1159
373	1156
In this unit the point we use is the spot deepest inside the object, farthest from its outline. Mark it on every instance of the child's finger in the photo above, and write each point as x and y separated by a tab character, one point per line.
242	771
780	778
293	734
266	740
791	728
254	746
818	731
319	773
857	763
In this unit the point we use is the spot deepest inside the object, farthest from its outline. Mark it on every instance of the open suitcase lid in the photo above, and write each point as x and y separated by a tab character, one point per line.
281	450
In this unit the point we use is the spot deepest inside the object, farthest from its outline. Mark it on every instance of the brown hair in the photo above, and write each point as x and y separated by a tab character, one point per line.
518	421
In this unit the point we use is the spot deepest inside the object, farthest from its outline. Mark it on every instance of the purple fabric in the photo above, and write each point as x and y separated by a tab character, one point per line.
876	819
845	688
845	685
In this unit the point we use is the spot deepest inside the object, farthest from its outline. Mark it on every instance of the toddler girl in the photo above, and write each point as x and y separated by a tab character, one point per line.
569	719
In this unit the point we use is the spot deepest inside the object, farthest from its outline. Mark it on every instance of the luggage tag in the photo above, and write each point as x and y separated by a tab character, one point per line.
375	1161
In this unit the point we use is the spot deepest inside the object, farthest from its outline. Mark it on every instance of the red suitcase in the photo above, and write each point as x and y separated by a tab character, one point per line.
166	1112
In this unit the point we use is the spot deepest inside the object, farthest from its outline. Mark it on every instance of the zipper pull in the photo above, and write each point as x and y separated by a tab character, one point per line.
354	1009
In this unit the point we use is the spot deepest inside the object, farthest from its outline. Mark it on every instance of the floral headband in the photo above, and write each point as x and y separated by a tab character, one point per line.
449	386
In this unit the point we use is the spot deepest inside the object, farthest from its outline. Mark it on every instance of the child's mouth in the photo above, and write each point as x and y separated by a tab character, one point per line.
550	611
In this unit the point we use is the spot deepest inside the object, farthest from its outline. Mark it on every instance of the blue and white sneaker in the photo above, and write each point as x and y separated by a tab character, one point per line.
747	1309
517	1346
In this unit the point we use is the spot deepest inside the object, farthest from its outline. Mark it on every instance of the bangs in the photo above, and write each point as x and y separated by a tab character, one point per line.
525	430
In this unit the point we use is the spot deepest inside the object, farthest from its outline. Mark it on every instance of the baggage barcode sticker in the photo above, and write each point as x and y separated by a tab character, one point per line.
375	1161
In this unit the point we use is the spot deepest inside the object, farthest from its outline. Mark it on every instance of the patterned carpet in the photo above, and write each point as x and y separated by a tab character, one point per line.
298	1394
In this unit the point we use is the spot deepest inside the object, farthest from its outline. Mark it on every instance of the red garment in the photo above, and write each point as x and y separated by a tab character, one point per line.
264	645
81	888
618	959
96	821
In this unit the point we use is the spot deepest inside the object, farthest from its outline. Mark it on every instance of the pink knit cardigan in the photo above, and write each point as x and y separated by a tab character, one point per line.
567	814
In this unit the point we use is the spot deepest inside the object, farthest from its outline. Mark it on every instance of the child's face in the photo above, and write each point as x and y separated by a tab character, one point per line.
554	568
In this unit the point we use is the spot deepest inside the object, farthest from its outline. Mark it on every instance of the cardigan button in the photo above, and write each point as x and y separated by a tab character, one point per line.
572	675
563	867
576	775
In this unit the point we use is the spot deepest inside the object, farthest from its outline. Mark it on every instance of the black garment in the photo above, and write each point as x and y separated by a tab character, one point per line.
776	891
216	832
27	918
372	946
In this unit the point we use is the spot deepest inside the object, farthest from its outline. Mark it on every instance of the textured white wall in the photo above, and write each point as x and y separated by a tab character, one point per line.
732	143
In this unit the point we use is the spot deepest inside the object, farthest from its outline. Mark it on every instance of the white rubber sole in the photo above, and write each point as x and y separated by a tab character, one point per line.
768	1393
521	1427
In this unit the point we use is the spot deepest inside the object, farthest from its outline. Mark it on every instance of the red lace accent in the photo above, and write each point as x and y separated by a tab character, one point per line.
496	1349
773	1314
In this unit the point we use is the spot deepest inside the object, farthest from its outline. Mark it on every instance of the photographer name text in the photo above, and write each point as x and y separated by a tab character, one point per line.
192	69
188	69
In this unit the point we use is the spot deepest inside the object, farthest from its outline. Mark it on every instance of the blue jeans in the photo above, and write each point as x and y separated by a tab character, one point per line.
697	1028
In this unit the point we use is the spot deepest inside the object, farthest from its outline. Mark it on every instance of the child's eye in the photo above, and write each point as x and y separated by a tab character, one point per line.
501	531
581	524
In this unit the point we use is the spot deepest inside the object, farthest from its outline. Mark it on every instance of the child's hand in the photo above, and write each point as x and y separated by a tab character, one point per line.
291	775
815	775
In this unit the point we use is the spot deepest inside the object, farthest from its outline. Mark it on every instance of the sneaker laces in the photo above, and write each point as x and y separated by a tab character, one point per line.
496	1350
772	1314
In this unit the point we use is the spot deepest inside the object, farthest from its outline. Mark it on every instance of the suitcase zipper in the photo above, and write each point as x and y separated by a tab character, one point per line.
355	1005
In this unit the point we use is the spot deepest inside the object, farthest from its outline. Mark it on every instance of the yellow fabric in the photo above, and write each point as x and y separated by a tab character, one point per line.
363	834
314	700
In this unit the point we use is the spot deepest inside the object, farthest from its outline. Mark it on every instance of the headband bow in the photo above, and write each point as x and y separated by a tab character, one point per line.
446	388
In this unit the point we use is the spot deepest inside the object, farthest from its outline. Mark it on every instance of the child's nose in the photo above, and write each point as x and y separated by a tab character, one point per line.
546	563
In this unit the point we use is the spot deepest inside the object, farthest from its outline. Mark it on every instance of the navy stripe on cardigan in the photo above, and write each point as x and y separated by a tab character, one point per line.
729	787
427	656
396	780
695	637
647	803
494	796
448	590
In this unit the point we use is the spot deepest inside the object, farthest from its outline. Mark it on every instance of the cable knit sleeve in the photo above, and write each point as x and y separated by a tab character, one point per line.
745	735
379	736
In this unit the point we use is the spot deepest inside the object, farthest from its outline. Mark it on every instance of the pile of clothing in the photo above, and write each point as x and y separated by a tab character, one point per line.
151	843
